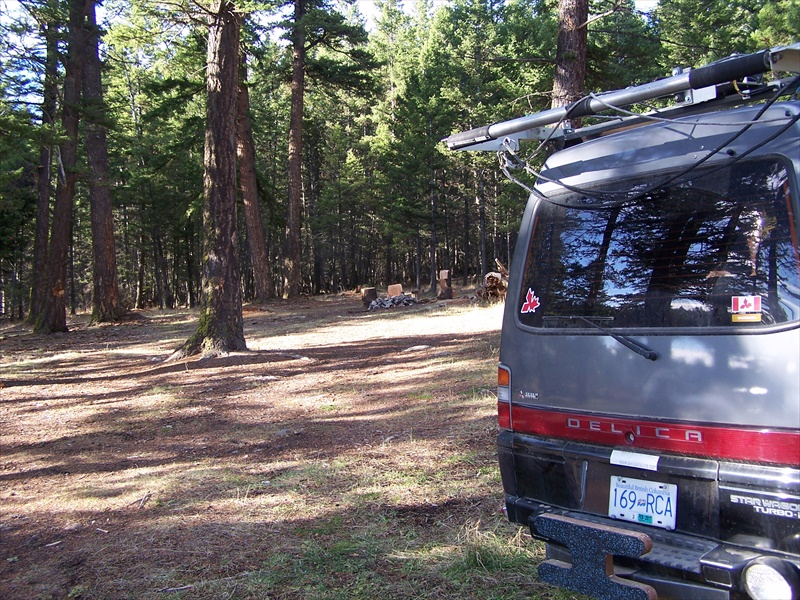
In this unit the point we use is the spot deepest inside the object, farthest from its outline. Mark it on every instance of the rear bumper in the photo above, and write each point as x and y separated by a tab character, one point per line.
673	565
561	490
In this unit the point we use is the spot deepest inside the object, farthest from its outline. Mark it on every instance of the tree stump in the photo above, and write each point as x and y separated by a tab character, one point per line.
445	291
368	295
494	288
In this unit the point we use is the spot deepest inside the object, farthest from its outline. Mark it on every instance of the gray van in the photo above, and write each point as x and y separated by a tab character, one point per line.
649	377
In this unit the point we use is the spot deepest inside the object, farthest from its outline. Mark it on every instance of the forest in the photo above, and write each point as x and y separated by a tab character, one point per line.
339	109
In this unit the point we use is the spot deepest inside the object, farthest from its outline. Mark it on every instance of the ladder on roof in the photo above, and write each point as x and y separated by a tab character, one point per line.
697	86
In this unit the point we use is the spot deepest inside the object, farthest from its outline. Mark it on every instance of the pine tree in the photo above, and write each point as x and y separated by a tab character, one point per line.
107	304
54	316
314	26
221	327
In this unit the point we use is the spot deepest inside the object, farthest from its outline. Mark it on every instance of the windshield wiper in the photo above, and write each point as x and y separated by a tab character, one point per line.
626	341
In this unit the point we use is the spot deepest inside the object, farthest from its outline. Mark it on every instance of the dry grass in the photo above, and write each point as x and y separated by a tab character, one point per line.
345	455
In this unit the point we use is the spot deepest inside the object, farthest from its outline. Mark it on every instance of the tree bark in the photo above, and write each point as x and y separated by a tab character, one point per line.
107	305
54	317
570	73
293	248
433	244
481	201
163	294
466	232
262	272
140	269
221	328
38	299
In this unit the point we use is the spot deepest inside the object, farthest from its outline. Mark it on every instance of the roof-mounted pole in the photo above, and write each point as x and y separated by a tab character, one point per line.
786	58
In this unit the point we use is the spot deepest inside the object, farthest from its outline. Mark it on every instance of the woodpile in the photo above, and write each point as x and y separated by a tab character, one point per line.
392	302
394	298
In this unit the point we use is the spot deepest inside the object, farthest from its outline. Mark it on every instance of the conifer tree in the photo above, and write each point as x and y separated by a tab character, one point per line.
107	304
220	328
570	74
314	26
54	315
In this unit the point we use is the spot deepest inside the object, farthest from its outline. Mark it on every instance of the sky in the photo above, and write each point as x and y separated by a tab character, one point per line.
367	7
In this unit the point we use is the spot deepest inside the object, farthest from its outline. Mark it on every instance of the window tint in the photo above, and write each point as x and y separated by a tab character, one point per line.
717	251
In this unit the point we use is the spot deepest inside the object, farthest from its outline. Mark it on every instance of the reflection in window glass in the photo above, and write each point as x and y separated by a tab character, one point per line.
716	251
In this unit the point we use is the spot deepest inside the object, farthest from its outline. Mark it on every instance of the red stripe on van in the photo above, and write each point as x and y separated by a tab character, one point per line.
778	446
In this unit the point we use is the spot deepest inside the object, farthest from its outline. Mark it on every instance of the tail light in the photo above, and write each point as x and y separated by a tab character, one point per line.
503	397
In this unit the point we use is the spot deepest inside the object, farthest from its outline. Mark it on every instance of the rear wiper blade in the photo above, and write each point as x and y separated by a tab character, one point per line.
626	341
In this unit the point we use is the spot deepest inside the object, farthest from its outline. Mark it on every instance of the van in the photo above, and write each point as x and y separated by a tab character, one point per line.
649	379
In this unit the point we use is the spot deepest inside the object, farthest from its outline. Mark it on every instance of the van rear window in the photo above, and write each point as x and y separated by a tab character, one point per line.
717	251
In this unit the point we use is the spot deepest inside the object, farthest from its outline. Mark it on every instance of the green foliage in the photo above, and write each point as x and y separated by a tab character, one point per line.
383	201
623	48
778	24
696	32
17	181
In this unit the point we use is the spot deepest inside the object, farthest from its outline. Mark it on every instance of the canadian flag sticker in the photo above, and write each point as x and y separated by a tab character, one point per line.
531	303
746	304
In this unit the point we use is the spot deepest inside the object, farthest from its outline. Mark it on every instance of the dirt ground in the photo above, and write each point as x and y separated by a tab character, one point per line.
346	454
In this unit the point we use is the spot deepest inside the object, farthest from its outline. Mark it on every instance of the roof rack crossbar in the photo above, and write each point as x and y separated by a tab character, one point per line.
723	71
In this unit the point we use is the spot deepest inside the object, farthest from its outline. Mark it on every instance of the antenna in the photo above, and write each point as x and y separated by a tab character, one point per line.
492	137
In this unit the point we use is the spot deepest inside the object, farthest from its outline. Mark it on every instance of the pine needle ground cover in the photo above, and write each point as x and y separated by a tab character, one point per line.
347	454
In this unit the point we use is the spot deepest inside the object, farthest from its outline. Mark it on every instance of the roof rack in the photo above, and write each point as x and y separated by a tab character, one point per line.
702	89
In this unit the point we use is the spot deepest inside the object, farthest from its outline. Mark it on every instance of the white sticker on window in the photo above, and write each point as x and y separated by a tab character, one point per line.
634	459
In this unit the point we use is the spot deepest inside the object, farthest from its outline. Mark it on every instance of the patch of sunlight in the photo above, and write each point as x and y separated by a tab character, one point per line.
417	325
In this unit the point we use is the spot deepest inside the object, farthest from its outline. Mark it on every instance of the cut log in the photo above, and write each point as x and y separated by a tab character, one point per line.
368	295
396	289
445	291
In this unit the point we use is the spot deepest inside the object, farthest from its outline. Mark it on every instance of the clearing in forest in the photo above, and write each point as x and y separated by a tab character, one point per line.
346	454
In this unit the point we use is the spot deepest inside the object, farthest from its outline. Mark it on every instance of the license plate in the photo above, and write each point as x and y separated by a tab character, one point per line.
645	502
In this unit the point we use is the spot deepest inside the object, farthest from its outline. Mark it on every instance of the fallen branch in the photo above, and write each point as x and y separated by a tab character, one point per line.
192	586
142	500
175	589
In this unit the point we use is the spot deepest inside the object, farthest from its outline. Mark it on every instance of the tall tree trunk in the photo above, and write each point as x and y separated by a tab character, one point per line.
221	327
54	317
164	295
417	259
262	271
467	252
313	246
107	304
140	270
388	271
293	256
482	223
38	299
570	72
191	272
434	210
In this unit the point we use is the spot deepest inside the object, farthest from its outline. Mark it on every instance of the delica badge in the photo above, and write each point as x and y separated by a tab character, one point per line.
746	309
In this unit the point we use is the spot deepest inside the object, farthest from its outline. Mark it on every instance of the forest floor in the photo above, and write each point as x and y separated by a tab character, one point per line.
347	454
